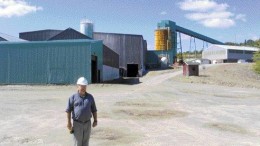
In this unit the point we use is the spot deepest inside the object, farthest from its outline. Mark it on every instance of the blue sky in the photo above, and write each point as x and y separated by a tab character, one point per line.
223	20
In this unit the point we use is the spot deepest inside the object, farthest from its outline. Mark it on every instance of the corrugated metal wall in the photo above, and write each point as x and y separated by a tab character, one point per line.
144	53
240	54
110	58
215	52
47	62
152	57
110	64
129	47
110	73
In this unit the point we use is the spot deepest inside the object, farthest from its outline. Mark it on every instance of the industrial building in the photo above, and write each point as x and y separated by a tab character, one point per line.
49	62
131	49
64	55
166	43
56	57
227	53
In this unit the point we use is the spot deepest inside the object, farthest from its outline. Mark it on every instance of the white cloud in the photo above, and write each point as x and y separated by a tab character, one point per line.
210	14
10	8
163	13
213	15
241	17
201	5
216	22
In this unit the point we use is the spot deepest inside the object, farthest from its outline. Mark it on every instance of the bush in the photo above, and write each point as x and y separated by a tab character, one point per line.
256	59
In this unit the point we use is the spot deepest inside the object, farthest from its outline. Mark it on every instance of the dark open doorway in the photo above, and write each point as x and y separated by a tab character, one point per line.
132	70
94	72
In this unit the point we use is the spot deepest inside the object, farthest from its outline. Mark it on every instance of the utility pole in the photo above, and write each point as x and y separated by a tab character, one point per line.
195	49
180	46
235	38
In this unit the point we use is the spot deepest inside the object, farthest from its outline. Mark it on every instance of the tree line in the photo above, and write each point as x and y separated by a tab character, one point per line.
249	42
256	57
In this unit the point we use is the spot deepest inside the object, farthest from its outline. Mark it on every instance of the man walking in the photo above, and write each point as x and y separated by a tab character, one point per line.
82	106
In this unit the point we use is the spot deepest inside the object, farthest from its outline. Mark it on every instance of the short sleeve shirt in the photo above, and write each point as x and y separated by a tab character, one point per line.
81	107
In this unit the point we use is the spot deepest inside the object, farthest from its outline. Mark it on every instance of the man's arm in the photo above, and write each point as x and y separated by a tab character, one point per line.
95	119
69	125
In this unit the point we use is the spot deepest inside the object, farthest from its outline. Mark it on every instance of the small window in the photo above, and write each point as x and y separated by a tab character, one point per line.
249	52
236	51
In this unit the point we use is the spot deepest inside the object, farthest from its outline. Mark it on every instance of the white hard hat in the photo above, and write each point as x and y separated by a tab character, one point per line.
82	81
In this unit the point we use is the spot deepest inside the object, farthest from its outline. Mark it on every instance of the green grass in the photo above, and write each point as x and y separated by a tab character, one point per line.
257	67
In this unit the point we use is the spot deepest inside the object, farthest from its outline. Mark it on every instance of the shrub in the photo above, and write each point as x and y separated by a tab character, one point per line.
256	59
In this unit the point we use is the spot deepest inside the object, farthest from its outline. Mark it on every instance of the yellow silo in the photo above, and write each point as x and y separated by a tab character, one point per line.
161	39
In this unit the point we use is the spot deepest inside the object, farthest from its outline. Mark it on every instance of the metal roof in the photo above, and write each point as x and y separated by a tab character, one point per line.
234	47
44	30
6	37
69	33
191	63
50	34
118	34
51	42
39	35
2	39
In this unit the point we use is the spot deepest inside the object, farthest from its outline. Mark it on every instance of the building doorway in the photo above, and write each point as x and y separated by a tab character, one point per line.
94	72
132	70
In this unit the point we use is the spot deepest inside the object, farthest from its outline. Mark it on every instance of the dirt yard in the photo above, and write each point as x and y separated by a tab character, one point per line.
220	107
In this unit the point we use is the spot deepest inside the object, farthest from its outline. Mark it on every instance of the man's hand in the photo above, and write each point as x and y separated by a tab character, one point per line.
94	124
69	126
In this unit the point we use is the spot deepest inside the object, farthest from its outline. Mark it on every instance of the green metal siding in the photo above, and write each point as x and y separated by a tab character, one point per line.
153	56
47	62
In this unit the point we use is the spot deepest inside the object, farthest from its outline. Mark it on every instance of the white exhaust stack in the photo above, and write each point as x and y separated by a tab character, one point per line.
86	27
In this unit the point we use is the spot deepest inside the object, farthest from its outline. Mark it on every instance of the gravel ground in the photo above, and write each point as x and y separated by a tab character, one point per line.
163	109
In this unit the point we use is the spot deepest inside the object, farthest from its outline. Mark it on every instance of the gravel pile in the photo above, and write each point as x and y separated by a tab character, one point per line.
231	75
